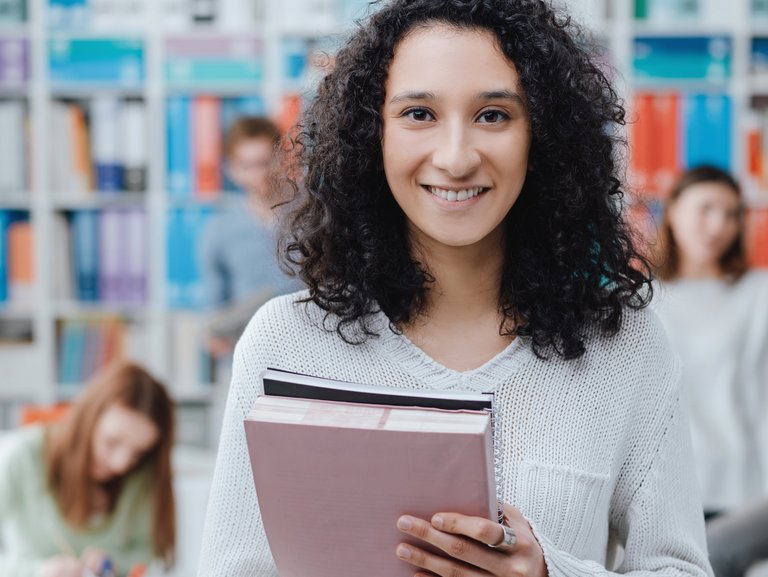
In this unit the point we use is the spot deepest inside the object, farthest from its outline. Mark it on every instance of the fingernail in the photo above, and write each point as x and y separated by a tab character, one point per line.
437	521
403	552
404	523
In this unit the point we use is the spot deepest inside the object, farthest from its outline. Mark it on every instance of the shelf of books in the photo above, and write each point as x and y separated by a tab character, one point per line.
113	114
698	94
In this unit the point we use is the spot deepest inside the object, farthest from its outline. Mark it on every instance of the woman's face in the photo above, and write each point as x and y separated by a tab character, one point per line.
705	220
121	438
456	135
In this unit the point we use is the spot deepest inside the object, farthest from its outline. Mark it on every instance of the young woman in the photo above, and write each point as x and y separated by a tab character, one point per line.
461	230
716	313
95	486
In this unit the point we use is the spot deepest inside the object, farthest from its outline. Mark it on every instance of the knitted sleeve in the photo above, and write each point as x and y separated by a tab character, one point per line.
234	542
656	511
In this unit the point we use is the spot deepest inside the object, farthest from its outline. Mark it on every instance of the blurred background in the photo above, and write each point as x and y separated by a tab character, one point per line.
113	116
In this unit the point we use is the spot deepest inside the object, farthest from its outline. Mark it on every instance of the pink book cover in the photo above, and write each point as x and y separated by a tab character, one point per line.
332	479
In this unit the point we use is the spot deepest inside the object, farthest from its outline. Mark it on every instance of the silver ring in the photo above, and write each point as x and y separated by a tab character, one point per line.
508	540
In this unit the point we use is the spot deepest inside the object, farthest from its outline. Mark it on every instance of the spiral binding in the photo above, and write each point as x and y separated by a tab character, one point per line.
497	465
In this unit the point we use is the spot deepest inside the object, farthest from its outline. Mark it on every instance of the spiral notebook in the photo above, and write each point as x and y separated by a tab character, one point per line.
335	464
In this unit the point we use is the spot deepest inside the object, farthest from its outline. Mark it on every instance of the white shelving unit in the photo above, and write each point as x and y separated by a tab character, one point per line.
28	372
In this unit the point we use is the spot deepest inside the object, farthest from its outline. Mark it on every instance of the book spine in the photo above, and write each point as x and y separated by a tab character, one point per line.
134	137
4	221
105	113
86	254
179	146
207	145
110	261
667	121
136	257
21	278
641	139
80	171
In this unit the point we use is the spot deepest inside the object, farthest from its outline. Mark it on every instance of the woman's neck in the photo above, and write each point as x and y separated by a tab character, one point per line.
691	270
459	326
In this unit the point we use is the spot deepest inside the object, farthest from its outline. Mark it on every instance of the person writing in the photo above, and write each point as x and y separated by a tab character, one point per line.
715	309
93	491
458	229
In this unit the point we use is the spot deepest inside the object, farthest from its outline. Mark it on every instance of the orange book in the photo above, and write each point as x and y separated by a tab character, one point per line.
206	147
665	143
82	168
757	237
21	274
641	144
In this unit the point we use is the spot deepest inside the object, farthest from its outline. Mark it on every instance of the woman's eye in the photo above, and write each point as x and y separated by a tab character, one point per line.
492	116
418	114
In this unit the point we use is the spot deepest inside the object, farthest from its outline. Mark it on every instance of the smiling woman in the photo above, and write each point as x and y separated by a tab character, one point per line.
459	228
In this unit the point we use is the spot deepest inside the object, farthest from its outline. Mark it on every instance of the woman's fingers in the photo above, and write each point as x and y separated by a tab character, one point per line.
482	530
477	557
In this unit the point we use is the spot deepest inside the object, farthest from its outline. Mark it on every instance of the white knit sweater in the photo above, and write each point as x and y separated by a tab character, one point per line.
596	451
720	332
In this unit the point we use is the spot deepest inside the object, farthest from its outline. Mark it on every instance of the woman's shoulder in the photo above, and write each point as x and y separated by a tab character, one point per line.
638	353
756	279
285	314
21	450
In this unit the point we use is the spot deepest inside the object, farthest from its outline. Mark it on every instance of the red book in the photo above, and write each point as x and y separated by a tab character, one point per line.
641	144
666	143
757	237
206	149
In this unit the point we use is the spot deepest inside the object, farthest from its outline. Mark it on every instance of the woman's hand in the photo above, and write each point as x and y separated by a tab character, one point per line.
465	540
62	566
93	559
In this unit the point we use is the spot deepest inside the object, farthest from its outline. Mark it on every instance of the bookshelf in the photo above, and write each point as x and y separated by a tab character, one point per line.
88	90
181	69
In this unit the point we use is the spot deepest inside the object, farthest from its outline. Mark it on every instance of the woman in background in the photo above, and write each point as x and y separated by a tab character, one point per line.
93	490
715	310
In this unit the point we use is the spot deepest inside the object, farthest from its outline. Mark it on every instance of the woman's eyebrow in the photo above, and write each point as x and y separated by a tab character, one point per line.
414	95
502	94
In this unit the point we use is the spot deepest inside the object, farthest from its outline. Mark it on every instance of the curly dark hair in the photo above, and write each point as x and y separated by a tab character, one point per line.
570	259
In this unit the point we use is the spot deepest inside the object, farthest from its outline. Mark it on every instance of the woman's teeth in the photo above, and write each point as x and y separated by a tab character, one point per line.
456	195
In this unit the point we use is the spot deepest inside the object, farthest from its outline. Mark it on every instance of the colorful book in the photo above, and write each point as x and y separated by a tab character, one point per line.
228	60
107	141
667	142
13	11
85	242
5	219
206	126
111	264
107	61
14	62
135	256
179	146
135	154
706	58
708	130
21	264
185	230
360	466
757	237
